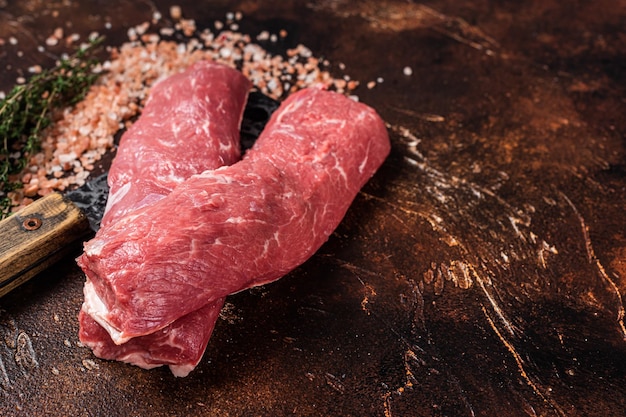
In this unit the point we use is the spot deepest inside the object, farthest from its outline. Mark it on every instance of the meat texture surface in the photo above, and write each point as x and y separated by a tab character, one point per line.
179	345
189	124
237	226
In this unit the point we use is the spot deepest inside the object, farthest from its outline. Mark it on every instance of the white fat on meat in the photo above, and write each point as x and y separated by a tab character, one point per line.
97	309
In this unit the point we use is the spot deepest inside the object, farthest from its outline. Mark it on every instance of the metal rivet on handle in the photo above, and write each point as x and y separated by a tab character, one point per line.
31	223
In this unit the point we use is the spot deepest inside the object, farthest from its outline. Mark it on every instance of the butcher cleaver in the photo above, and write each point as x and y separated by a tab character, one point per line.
48	229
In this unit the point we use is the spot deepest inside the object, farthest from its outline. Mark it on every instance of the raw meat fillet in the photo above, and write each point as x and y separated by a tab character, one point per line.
242	225
189	124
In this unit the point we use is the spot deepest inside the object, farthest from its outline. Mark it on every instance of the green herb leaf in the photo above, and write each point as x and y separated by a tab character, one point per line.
25	112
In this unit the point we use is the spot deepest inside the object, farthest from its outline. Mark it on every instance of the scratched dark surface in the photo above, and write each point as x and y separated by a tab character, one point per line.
479	273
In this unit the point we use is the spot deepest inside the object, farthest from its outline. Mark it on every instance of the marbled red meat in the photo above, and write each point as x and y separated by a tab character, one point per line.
189	124
238	226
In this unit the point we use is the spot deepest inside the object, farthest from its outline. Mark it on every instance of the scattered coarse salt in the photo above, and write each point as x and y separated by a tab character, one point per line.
176	12
13	40
66	158
408	71
150	38
142	28
188	26
132	34
31	189
52	41
84	131
35	69
89	364
225	52
74	37
304	51
167	31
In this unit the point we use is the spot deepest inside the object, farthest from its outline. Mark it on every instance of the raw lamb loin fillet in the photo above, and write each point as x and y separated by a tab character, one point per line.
190	124
237	226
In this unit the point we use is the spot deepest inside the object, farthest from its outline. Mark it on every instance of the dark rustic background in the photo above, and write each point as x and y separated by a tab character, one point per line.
481	272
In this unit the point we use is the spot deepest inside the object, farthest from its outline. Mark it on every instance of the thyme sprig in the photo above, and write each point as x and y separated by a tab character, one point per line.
26	111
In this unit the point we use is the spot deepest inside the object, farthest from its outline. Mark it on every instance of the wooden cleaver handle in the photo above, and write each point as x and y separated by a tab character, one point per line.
37	236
